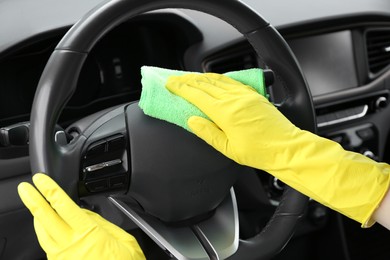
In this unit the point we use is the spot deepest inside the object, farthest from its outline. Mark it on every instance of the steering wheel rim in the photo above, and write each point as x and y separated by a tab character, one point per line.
59	81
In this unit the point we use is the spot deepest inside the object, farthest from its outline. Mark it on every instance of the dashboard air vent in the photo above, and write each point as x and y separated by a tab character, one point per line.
378	49
236	58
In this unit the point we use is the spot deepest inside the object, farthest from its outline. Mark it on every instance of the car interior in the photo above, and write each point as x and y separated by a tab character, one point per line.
70	83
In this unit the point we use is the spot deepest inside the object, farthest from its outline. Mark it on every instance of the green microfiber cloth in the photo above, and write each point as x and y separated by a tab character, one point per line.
157	101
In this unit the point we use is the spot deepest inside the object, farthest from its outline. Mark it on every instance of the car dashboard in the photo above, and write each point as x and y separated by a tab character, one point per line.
345	63
111	74
344	54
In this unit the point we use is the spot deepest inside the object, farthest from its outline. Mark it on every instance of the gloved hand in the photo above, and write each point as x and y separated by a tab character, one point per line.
65	231
247	128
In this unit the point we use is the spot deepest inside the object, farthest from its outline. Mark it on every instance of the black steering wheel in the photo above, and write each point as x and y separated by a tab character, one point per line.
170	183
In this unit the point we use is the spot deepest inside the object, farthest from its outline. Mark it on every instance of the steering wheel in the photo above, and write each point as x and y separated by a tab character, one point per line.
167	181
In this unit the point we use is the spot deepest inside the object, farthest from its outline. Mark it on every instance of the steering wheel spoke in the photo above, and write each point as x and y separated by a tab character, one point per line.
104	166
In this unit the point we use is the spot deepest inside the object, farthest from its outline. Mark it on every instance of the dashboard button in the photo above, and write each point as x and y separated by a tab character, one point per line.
330	117
320	119
118	182
95	186
96	149
381	102
342	114
357	110
369	154
116	143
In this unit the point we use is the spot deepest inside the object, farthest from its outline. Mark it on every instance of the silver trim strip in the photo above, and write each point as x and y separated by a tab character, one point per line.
207	244
219	234
102	165
344	119
174	237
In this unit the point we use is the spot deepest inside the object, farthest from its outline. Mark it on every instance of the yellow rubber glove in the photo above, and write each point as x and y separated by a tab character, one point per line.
65	231
247	128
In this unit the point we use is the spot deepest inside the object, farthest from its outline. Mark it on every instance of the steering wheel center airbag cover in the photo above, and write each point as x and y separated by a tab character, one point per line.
175	175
